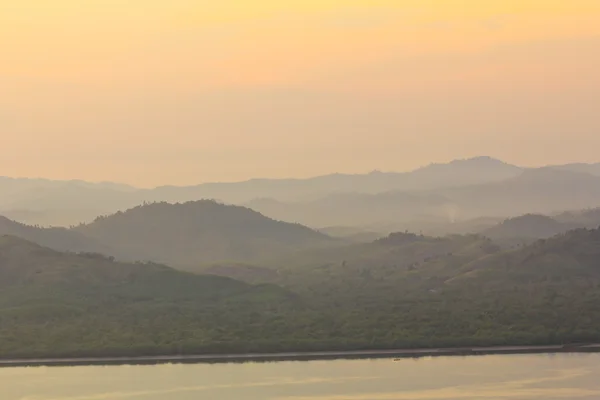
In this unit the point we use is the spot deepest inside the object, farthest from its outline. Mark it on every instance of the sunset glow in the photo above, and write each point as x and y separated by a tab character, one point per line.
107	70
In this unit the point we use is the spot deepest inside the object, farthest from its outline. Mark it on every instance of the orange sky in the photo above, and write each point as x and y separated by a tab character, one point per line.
184	91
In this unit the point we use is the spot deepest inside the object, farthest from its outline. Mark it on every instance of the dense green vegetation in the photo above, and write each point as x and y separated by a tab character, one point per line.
53	303
401	291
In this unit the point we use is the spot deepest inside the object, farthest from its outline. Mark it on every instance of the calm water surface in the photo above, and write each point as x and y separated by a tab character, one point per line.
522	377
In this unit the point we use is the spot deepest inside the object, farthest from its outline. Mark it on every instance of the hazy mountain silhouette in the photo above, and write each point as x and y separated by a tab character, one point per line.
527	228
593	169
62	203
455	173
195	233
543	190
355	209
476	187
350	234
56	238
588	218
51	202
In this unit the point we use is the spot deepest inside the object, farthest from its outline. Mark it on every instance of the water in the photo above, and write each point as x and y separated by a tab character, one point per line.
520	377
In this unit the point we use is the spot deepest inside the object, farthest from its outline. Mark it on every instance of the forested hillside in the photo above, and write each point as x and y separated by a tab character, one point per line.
185	236
191	234
56	238
401	291
67	304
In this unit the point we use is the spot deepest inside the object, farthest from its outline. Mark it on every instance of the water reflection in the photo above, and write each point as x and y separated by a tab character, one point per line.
518	377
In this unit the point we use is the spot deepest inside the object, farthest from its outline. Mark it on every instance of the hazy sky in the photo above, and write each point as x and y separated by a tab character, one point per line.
185	91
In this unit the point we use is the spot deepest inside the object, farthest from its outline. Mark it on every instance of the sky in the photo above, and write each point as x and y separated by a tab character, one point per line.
153	92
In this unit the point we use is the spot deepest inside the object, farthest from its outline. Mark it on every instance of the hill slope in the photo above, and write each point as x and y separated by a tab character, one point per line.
195	233
56	238
544	293
398	292
53	303
564	262
527	228
356	209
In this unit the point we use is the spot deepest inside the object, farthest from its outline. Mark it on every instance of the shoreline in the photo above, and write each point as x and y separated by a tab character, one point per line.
398	355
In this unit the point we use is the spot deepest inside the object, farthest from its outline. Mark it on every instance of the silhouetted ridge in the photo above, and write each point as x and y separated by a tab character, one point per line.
57	238
401	238
534	226
193	233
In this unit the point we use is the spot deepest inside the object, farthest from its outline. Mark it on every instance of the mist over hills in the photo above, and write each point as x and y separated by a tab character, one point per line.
593	169
457	186
494	260
185	235
544	190
61	239
357	209
401	291
193	233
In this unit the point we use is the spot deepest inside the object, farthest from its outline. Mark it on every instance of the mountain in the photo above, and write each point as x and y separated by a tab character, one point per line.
456	173
350	234
588	218
529	227
544	191
62	203
593	169
443	225
43	202
61	239
395	255
469	188
457	291
188	235
58	304
356	209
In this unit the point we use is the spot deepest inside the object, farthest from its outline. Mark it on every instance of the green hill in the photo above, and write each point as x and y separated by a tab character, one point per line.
402	291
60	304
56	238
185	236
473	295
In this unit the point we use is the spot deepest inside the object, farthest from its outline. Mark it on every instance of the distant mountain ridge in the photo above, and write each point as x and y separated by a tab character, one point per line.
64	203
541	191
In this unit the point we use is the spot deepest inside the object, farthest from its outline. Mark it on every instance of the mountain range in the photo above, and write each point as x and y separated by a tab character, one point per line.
542	190
461	189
